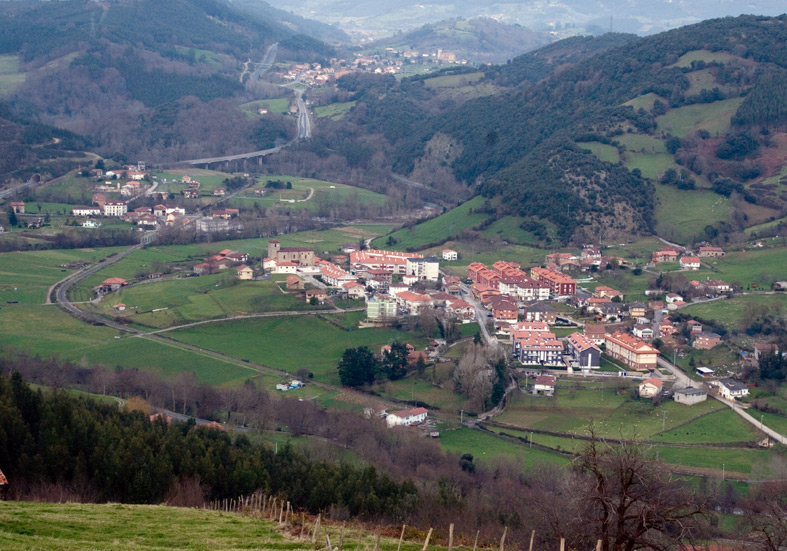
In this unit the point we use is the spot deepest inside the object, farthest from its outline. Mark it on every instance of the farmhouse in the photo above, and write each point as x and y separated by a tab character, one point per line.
690	395
583	352
111	284
631	351
710	252
607	292
664	255
406	417
318	294
730	389
245	273
544	384
689	263
17	206
650	387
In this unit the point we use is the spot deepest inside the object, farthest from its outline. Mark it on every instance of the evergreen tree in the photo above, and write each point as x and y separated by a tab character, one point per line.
358	367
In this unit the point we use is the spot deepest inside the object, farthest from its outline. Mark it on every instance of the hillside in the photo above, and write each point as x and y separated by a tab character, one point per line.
477	40
590	147
162	86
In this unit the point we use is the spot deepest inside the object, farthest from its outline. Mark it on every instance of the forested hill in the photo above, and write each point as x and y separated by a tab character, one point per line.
581	149
147	78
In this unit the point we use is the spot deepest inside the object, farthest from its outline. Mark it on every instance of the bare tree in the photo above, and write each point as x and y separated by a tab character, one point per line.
766	519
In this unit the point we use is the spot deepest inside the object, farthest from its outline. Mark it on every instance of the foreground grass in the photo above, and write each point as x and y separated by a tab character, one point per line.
77	527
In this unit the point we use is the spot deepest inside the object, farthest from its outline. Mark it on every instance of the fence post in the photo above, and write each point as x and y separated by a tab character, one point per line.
303	523
341	538
503	538
316	528
451	537
377	542
562	544
532	537
426	541
598	545
475	543
401	537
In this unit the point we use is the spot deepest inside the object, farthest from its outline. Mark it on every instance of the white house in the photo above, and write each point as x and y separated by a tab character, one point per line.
115	208
86	211
650	387
406	417
689	263
449	254
730	389
544	384
91	223
427	269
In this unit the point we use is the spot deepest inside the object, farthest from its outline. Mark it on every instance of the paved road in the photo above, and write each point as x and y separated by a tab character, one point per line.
267	62
754	422
481	315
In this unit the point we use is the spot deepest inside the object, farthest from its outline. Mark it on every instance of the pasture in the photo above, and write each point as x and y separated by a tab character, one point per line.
683	215
651	165
607	153
713	117
760	267
334	111
436	230
737	312
486	448
290	342
10	76
645	101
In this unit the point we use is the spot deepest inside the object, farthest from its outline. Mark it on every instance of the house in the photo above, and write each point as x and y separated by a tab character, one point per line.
204	268
191	193
449	254
245	273
111	284
503	309
694	326
219	192
294	283
664	255
595	333
393	261
730	389
381	307
354	289
91	223
120	307
637	310
706	341
690	263
460	309
631	351
603	291
650	387
412	303
544	384
690	395
642	331
710	252
406	417
611	311
540	312
672	298
285	268
318	294
583	352
17	206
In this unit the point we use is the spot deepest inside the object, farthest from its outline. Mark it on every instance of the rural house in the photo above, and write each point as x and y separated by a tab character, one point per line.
406	417
730	389
650	387
690	396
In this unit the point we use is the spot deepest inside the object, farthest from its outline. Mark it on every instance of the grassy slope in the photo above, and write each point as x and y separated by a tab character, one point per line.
682	214
731	312
115	527
713	117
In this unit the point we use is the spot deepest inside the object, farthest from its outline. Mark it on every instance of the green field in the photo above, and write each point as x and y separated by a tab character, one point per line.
508	229
480	252
437	229
289	343
703	55
334	111
486	448
713	117
613	414
642	143
701	80
453	81
683	215
645	102
719	426
732	312
199	298
607	153
114	527
208	179
651	165
25	277
10	77
754	266
306	193
278	106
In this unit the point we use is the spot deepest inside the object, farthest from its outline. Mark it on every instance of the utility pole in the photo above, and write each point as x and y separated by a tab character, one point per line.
663	419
